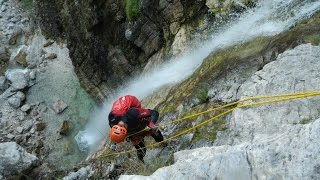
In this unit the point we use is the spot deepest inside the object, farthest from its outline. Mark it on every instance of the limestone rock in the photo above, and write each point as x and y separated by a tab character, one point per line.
51	56
15	102
15	35
25	108
15	159
48	43
59	106
21	56
3	83
82	174
18	78
20	95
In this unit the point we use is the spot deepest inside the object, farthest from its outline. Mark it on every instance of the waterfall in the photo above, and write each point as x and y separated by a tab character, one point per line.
268	18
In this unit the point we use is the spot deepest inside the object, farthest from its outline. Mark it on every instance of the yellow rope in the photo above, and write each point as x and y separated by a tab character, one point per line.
161	125
284	97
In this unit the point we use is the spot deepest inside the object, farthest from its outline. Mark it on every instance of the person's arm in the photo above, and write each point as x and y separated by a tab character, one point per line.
154	115
149	113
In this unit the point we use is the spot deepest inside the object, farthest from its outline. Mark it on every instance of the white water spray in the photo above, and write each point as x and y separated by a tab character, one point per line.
267	19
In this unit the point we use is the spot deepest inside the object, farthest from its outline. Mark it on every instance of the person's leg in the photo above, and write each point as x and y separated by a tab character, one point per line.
141	150
157	136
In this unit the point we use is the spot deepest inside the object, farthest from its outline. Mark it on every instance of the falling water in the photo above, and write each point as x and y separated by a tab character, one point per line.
269	18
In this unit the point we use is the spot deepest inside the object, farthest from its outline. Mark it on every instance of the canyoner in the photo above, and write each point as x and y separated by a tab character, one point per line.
118	132
128	117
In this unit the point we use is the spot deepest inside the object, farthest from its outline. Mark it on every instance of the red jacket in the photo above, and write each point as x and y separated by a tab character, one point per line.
122	105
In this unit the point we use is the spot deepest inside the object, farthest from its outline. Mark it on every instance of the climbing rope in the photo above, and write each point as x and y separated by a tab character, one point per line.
282	97
161	125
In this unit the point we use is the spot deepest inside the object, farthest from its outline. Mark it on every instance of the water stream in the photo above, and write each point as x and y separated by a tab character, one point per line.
269	18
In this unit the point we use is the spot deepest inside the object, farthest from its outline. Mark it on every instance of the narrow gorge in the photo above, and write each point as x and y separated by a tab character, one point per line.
63	63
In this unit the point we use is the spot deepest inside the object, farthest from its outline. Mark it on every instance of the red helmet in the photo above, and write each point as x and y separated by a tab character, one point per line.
117	133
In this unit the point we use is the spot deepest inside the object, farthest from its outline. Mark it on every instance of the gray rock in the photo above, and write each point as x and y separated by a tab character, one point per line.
20	129
27	125
10	136
82	174
4	55
51	56
18	78
48	43
3	8
3	83
20	95
14	102
16	33
33	130
25	108
15	159
59	106
33	75
20	56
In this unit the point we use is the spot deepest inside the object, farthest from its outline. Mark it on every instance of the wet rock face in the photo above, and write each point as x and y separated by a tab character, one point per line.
105	47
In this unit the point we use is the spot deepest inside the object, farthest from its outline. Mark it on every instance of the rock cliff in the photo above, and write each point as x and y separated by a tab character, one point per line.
273	141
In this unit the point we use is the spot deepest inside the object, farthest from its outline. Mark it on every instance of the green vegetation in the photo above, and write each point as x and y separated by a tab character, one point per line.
134	166
313	39
27	4
305	120
210	130
132	9
168	109
203	96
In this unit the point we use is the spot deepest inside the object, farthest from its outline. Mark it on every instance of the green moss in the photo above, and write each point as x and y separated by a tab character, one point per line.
203	96
216	10
313	39
167	109
3	68
27	4
305	120
210	130
132	9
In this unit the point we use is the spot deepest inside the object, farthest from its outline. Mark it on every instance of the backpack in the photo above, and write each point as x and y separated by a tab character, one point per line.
122	105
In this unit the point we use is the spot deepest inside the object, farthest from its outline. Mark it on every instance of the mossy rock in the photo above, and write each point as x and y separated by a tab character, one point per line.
314	39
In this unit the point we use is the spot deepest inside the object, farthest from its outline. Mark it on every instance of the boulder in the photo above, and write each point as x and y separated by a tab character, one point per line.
18	78
15	159
14	102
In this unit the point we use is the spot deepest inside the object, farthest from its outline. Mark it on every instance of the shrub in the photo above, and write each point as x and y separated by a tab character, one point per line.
203	96
132	9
